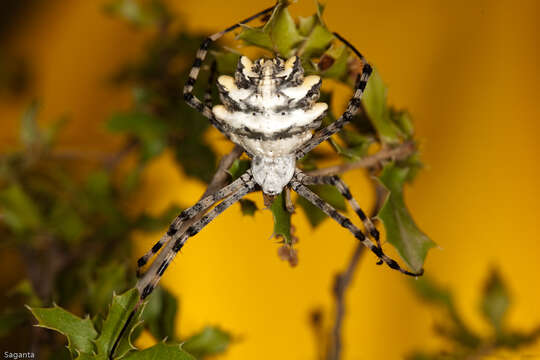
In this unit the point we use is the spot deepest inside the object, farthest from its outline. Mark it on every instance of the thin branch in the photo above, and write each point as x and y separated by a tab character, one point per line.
220	177
398	153
341	284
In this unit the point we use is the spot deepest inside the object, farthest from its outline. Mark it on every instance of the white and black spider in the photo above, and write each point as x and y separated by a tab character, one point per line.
270	109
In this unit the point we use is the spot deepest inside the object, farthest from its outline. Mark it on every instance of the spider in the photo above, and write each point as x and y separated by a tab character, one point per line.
270	109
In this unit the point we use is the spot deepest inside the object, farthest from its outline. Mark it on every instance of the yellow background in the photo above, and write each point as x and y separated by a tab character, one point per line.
468	73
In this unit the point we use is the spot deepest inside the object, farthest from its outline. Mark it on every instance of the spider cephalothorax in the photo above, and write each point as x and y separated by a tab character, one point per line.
270	109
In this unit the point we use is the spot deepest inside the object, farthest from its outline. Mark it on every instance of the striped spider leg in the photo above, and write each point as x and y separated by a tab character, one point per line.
351	110
179	231
346	193
298	184
205	107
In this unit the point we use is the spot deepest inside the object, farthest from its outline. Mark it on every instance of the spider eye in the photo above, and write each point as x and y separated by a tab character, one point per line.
283	113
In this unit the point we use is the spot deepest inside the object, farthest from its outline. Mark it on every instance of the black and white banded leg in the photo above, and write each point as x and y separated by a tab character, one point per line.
190	213
352	107
179	236
346	193
328	209
189	97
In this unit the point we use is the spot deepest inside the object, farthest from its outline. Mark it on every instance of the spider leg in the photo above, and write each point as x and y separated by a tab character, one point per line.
352	107
313	198
189	97
346	193
151	278
211	78
190	213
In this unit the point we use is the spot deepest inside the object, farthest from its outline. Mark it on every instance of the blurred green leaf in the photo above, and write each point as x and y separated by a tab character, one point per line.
375	104
159	314
401	231
19	211
329	194
226	62
148	222
150	130
67	223
138	12
108	278
80	332
282	219
160	351
29	132
248	207
10	319
239	167
495	301
210	341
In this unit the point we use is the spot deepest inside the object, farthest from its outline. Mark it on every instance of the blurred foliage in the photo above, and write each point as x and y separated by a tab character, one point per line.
465	342
71	221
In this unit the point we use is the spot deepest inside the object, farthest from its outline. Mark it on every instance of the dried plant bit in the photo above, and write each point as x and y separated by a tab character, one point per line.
288	253
325	62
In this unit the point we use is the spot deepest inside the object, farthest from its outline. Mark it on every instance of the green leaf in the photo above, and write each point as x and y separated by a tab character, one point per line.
495	301
108	278
121	307
29	131
239	167
328	193
282	219
317	42
256	37
208	342
19	211
160	351
160	314
80	332
226	62
374	100
248	207
339	57
279	34
401	231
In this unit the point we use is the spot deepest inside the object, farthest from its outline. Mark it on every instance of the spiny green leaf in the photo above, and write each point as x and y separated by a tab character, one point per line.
328	193
19	211
80	332
282	219
279	34
256	37
374	100
495	301
210	341
160	351
160	313
401	231
121	307
248	207
107	279
317	42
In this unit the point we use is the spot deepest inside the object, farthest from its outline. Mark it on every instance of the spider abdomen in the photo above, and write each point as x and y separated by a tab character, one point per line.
269	108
